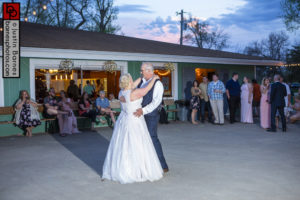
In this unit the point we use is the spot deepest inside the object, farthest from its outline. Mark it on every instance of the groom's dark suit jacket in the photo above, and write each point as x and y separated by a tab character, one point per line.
278	92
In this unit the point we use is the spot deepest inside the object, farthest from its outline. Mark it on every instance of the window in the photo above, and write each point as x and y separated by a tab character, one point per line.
60	80
166	79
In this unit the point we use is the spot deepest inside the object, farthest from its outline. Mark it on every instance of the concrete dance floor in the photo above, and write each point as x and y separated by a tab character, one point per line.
230	162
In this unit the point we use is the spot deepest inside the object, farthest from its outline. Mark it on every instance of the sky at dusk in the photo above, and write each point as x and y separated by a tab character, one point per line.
243	20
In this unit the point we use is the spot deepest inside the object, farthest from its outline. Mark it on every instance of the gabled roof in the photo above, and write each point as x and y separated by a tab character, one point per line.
43	36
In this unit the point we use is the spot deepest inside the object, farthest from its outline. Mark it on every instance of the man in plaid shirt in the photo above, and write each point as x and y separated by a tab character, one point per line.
216	89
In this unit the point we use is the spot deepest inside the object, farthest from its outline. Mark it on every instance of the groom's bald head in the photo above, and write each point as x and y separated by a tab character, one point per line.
147	70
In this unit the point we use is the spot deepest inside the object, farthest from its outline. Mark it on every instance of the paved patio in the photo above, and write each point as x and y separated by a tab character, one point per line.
230	162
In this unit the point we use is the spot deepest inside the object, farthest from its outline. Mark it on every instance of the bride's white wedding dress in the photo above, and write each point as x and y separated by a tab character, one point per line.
131	156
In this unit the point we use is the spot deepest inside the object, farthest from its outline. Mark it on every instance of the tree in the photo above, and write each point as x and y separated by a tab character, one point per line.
104	15
201	34
254	49
293	57
291	14
273	47
95	15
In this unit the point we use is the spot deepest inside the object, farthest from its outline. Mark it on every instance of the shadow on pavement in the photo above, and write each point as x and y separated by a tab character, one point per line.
89	147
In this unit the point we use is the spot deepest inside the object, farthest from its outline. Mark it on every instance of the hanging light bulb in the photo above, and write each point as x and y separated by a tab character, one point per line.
26	19
34	12
44	7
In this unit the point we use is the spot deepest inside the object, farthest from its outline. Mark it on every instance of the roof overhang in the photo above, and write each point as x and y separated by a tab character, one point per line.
33	52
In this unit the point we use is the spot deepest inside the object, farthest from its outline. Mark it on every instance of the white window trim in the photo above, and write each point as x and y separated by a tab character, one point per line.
174	76
54	64
1	85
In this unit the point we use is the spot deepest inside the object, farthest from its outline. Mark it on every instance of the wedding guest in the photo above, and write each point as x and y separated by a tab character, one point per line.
204	101
73	90
216	89
89	89
256	97
287	98
51	108
195	100
233	92
296	116
246	101
69	121
27	116
103	106
278	92
265	108
85	109
111	97
99	86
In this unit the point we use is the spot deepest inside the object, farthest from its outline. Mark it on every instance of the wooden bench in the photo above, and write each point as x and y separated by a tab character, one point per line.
168	103
9	110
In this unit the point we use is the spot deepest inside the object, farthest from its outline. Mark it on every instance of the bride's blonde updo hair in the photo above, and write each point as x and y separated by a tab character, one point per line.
124	81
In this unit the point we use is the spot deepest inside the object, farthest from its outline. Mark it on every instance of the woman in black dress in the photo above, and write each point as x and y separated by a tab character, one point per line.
27	116
195	100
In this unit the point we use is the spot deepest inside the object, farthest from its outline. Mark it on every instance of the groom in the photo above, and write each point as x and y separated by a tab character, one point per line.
150	104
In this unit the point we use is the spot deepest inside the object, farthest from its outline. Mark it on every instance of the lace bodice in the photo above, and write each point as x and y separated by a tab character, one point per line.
130	106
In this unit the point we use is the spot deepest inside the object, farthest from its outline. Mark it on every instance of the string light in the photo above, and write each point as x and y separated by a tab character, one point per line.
34	12
44	7
1	29
26	19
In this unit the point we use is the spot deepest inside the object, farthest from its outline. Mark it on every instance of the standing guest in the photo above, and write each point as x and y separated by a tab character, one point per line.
103	107
256	97
204	101
73	91
195	100
69	120
278	92
99	86
27	116
265	109
287	98
89	89
246	101
51	109
216	89
85	109
233	92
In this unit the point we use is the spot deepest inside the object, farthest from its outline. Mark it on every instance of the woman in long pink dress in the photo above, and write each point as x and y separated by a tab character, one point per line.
246	101
265	108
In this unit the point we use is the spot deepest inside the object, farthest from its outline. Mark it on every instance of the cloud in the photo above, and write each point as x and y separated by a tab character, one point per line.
251	14
161	26
134	8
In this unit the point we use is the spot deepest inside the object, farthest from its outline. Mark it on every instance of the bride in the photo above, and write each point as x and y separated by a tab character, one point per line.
131	156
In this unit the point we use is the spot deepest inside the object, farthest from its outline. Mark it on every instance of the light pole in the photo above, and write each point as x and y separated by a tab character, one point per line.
181	24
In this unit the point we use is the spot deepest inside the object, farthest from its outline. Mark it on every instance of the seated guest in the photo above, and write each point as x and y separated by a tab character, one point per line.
85	109
296	116
51	108
69	124
111	97
103	107
27	116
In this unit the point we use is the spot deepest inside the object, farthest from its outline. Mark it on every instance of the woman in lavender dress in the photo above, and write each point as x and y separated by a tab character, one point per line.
69	121
26	117
246	101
